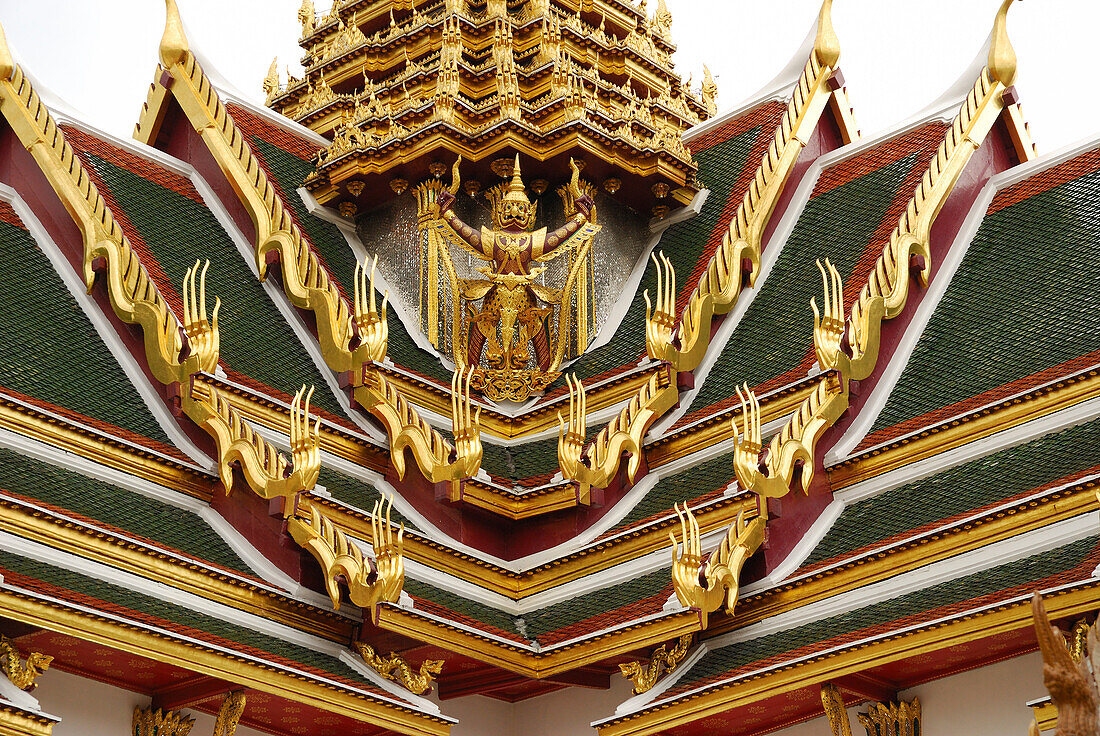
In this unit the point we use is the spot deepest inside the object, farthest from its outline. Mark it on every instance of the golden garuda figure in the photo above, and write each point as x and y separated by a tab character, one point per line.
501	326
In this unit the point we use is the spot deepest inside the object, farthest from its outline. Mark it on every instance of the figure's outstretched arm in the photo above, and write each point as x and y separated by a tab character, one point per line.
468	234
584	205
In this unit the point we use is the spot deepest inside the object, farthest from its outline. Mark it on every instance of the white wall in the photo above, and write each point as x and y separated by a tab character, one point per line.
563	713
986	702
91	708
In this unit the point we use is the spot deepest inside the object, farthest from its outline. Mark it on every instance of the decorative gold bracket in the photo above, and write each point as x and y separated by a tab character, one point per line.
663	661
22	675
705	588
341	559
394	667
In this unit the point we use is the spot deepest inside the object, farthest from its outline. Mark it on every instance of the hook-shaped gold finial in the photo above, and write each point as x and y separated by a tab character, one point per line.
1002	57
173	44
826	44
7	63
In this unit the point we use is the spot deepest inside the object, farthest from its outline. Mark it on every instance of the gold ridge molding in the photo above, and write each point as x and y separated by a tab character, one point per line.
149	562
172	358
594	559
721	283
847	348
558	659
306	282
27	421
161	646
958	431
1011	615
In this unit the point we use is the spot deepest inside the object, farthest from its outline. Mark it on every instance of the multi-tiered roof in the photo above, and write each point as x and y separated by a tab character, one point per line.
863	494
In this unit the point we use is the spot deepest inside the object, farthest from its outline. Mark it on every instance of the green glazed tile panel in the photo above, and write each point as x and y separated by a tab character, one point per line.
519	462
176	614
255	339
290	171
538	623
356	493
999	578
720	167
117	507
1025	298
706	477
51	350
776	332
973	485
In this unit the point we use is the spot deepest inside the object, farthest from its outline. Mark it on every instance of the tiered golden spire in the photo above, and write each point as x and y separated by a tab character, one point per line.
475	83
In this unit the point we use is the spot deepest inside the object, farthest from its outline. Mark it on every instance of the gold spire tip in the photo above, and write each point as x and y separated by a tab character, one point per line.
7	64
1002	57
826	44
173	45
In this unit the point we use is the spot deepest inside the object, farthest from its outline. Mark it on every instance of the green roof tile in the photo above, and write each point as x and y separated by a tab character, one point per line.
539	623
967	487
720	166
1003	577
51	350
289	171
706	477
180	615
1025	298
776	332
117	507
255	339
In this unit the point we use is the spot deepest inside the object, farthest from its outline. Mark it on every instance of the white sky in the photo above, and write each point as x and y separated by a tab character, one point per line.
897	55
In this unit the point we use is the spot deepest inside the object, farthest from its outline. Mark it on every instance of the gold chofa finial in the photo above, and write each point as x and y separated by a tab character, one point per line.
173	44
826	44
7	64
1002	57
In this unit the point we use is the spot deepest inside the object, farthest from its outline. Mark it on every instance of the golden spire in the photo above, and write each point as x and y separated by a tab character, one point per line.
173	44
7	64
1002	57
516	189
826	44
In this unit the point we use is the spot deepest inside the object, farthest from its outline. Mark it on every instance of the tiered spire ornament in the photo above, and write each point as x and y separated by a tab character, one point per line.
513	112
341	559
705	588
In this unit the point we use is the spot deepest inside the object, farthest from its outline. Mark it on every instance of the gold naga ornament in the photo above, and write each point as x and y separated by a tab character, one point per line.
897	719
396	668
706	587
368	583
663	661
511	331
22	675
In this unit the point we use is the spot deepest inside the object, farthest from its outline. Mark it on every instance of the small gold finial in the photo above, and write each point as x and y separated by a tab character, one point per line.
7	64
826	44
173	44
1002	57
